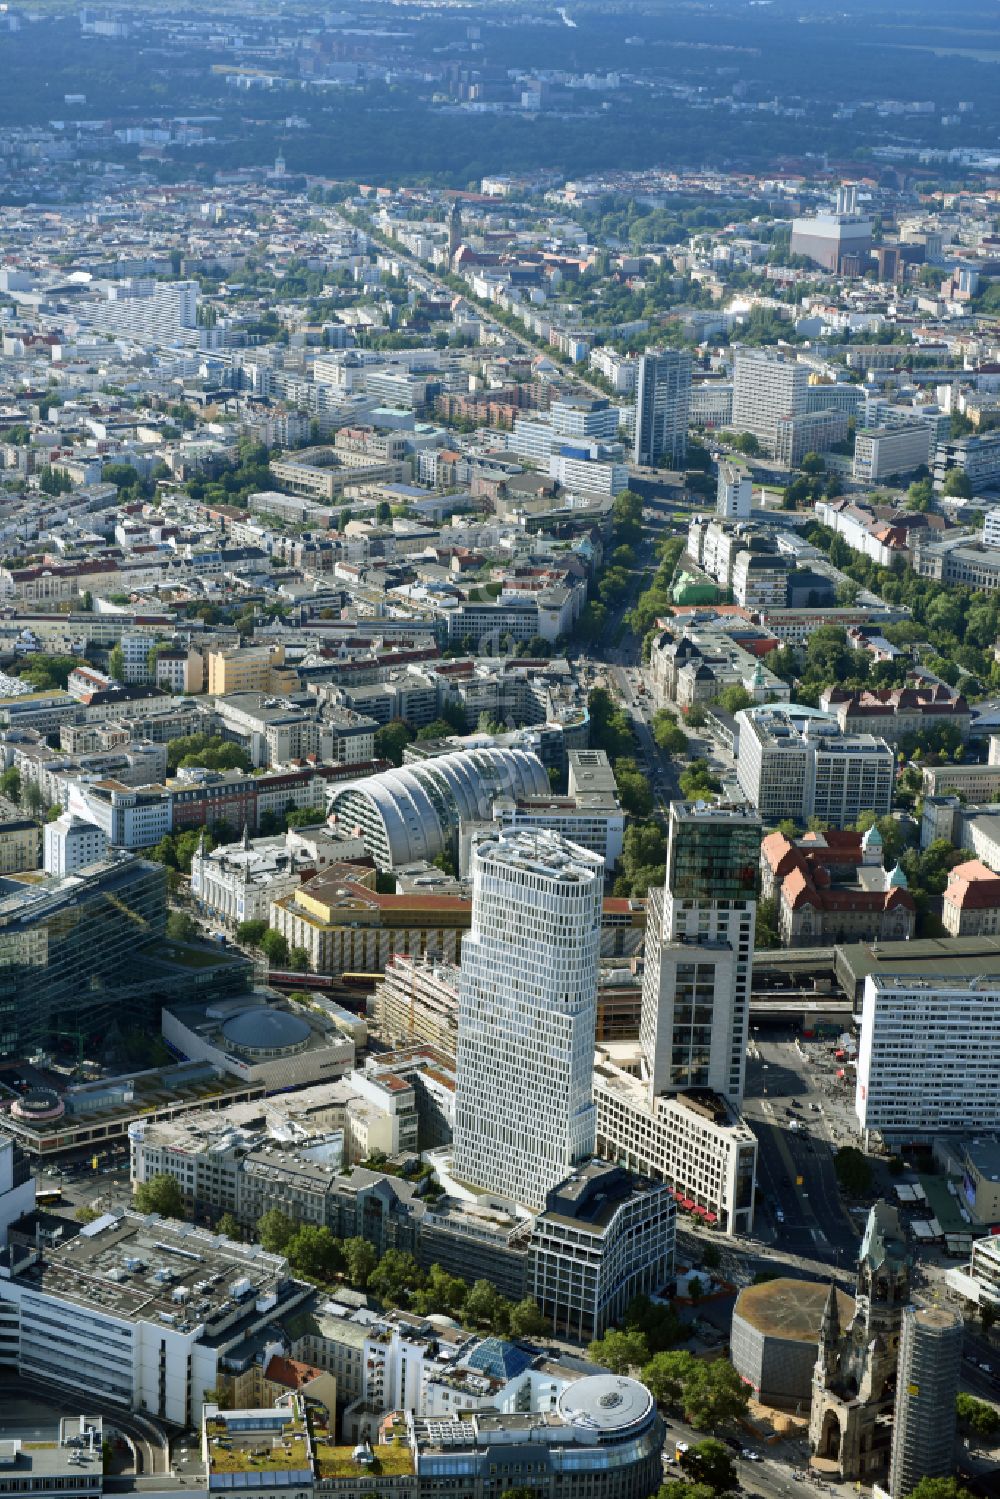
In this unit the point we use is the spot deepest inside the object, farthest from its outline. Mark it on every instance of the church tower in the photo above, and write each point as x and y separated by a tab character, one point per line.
454	230
854	1377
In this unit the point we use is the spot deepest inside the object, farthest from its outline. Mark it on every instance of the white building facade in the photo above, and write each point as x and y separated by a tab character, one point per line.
527	1015
929	1056
797	763
735	492
72	843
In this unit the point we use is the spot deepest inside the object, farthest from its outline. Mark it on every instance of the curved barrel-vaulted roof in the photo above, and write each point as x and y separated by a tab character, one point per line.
412	813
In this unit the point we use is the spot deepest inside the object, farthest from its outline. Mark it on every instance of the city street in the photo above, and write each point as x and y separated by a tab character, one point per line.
795	1164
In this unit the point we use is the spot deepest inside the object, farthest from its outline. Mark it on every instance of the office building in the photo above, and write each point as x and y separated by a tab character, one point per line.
589	468
588	417
977	457
129	817
589	815
414	812
215	1156
670	1108
711	404
71	843
695	1141
880	453
275	731
240	1448
17	1193
699	942
734	496
499	1422
72	949
796	762
928	1057
250	668
768	387
605	1237
923	1426
808	432
984	1268
527	1015
140	1312
604	1435
663	397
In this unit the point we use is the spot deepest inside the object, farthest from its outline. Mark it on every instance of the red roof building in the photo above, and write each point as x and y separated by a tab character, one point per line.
893	712
971	905
832	887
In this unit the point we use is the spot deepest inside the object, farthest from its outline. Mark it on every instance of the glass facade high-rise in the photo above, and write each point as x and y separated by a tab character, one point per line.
527	1014
70	963
699	949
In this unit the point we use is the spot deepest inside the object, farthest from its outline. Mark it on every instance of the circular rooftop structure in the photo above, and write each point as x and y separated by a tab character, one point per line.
37	1105
608	1403
263	1032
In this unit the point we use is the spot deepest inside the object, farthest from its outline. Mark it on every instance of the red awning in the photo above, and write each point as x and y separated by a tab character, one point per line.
686	1202
699	1209
711	1217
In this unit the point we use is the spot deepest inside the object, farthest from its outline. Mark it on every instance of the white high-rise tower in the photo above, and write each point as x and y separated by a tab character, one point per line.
524	1111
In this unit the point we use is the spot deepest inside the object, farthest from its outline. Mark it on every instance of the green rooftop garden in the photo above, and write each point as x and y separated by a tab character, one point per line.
393	1461
263	1452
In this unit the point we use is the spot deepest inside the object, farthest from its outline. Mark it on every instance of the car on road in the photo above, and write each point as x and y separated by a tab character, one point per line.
750	1455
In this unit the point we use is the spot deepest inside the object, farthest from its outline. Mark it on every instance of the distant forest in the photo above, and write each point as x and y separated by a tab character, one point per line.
815	58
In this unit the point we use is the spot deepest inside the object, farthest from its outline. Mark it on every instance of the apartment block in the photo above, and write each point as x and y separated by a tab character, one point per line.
20	846
251	668
734	496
